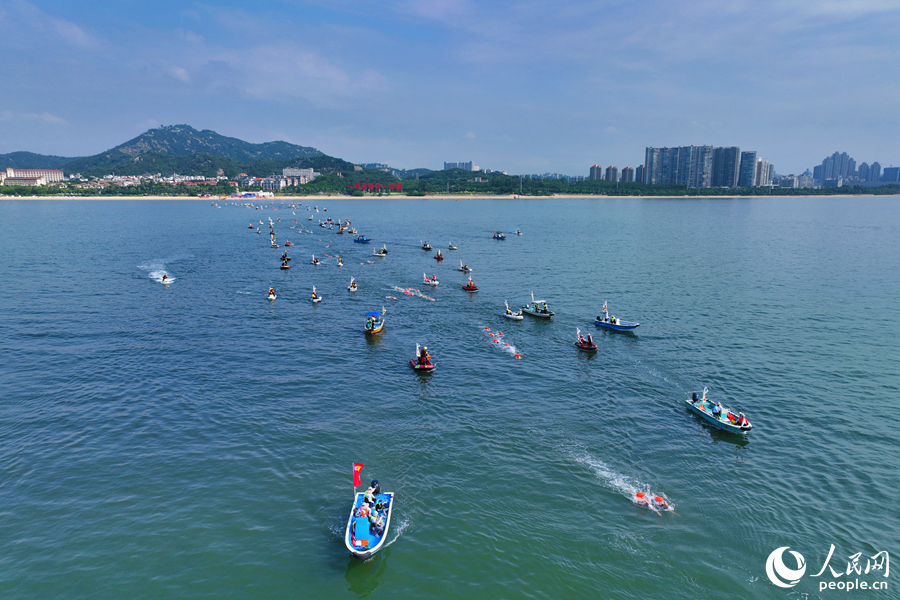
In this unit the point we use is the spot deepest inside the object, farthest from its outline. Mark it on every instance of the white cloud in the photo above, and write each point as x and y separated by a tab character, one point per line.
470	135
180	74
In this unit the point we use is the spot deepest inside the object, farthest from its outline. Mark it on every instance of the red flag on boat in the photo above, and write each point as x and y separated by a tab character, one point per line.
357	467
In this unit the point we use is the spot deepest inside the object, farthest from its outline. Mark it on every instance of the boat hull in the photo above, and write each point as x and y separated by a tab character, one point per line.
358	537
377	328
586	348
715	421
513	317
469	289
620	326
423	368
272	297
539	315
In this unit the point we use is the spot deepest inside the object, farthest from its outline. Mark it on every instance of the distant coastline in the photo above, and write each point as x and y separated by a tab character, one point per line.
278	199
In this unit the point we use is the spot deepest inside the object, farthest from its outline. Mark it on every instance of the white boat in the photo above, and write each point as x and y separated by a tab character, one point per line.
514	316
717	415
272	295
430	281
165	280
315	297
464	268
315	260
352	286
381	251
361	538
452	247
340	262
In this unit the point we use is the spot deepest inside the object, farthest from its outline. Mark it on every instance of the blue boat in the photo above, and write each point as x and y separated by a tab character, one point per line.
361	239
364	537
723	418
614	323
375	321
499	235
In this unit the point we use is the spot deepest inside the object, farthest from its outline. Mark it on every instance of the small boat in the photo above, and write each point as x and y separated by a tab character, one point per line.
351	231
470	286
352	286
314	261
438	256
285	257
587	344
363	538
361	239
381	251
310	218
426	246
717	415
518	232
432	281
614	323
538	308
464	268
499	236
422	362
452	247
272	295
340	261
515	316
340	231
288	243
252	226
315	297
285	266
165	280
274	245
375	321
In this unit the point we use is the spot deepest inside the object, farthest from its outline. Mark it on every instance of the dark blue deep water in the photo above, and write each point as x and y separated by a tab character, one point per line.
195	440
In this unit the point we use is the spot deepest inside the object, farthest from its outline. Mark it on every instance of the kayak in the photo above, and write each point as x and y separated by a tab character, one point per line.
360	538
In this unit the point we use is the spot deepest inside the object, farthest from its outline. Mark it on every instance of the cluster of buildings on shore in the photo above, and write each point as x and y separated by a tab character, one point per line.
38	177
840	169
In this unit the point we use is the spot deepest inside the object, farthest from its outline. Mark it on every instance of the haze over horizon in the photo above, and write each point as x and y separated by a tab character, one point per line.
520	87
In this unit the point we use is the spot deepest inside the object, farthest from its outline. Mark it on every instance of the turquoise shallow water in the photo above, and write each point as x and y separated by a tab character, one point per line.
195	440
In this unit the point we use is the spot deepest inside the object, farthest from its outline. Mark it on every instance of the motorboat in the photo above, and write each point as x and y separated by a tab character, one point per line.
367	527
614	323
538	308
439	256
361	239
584	343
315	261
271	294
452	247
432	281
514	316
499	236
470	286
340	261
426	246
464	268
381	251
285	266
375	321
285	257
352	286
717	415
315	297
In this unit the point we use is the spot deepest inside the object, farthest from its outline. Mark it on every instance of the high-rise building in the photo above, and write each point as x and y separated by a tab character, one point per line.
726	167
817	173
612	173
701	166
687	165
748	170
764	172
639	174
627	175
465	166
837	165
875	171
891	175
596	173
863	172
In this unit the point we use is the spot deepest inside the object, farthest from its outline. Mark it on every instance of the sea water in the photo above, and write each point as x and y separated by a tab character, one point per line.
194	440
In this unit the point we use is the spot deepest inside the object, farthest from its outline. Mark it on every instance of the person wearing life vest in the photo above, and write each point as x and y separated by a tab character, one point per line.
376	523
165	277
271	291
717	410
742	420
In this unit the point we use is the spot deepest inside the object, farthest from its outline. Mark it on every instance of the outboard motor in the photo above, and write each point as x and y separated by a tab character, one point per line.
375	487
695	397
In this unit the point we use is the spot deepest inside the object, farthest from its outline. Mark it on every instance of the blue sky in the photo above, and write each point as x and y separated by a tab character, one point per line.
524	86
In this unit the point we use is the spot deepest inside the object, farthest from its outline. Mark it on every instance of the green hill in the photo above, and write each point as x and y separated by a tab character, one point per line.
30	160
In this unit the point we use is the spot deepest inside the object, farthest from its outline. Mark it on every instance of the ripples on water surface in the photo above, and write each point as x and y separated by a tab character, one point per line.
195	440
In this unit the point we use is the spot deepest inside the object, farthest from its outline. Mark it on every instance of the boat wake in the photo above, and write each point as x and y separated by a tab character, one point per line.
397	531
156	268
622	484
498	340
